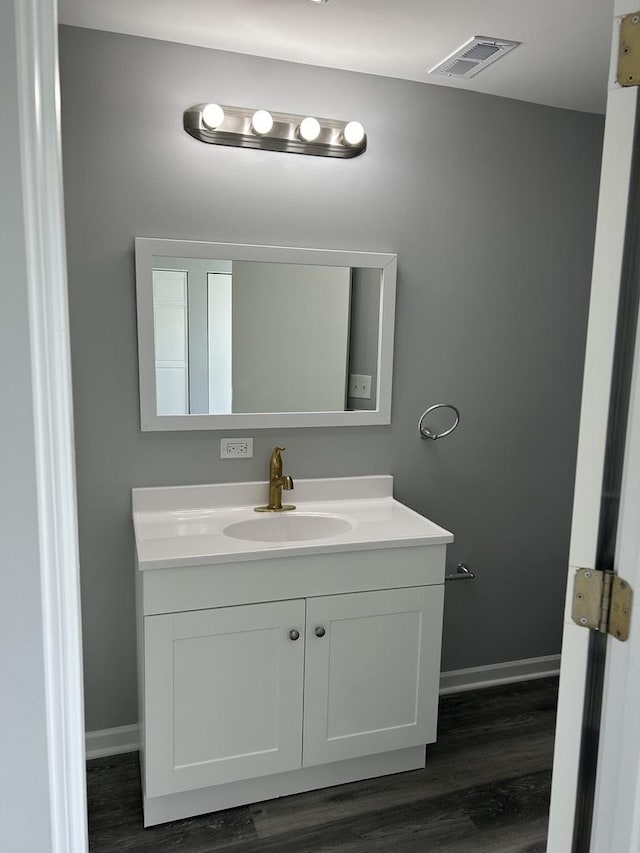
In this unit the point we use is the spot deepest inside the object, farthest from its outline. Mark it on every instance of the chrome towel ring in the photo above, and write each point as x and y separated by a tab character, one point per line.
426	433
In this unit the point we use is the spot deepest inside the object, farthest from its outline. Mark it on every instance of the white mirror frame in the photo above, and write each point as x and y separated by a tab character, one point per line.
147	248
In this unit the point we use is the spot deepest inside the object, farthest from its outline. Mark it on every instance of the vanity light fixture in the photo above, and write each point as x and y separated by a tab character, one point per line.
218	124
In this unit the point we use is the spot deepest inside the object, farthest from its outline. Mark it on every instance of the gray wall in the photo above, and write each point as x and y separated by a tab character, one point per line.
490	205
24	768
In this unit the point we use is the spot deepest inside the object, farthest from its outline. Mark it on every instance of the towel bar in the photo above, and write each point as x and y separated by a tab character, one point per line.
462	573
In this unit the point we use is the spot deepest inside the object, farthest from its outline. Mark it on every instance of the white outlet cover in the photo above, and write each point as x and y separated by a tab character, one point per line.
360	386
236	448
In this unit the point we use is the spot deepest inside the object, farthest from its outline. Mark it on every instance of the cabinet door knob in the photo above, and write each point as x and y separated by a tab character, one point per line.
293	634
320	631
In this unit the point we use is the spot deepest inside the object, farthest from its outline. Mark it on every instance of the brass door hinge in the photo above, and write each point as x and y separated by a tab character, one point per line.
602	601
629	51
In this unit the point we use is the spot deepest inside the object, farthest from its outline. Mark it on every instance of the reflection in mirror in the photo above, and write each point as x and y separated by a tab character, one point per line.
244	336
262	336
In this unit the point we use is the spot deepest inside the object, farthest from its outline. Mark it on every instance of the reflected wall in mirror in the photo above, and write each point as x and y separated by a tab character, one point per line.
233	335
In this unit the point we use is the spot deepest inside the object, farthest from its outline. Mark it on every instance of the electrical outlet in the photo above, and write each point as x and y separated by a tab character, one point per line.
360	386
236	448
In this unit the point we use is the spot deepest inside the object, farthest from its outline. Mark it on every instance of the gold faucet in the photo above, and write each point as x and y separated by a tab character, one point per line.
277	482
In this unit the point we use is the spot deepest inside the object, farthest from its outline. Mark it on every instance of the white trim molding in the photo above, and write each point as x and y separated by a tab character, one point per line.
120	739
112	741
41	168
494	674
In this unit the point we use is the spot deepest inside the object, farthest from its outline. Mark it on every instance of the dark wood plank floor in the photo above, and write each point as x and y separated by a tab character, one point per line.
485	789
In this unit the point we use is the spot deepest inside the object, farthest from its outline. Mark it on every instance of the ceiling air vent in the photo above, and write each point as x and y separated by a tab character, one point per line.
473	56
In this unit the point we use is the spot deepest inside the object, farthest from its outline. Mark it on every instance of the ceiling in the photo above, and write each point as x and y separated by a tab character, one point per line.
563	60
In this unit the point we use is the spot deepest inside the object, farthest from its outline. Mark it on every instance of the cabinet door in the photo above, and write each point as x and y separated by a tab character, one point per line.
223	695
371	679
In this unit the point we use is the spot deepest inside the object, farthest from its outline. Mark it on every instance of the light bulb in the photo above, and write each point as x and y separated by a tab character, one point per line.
262	122
353	133
309	129
212	116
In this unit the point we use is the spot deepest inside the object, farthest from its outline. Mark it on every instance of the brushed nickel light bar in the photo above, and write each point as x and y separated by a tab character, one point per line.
219	124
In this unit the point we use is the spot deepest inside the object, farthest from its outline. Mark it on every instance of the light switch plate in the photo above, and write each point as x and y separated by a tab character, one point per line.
360	386
236	448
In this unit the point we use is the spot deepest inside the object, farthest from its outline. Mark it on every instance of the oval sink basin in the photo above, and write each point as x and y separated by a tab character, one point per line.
285	527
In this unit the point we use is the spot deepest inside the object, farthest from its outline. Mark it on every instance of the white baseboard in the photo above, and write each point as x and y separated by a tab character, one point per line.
478	677
112	741
127	739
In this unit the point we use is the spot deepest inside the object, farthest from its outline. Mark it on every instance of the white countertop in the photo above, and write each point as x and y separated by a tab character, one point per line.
184	526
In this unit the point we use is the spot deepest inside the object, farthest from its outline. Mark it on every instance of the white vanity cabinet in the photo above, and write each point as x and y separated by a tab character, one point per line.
371	677
225	686
246	691
268	668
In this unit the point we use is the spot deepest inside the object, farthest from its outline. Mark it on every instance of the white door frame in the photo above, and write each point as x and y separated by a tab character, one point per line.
40	154
607	269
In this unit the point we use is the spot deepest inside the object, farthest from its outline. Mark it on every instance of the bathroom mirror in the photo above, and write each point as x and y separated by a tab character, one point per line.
234	336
